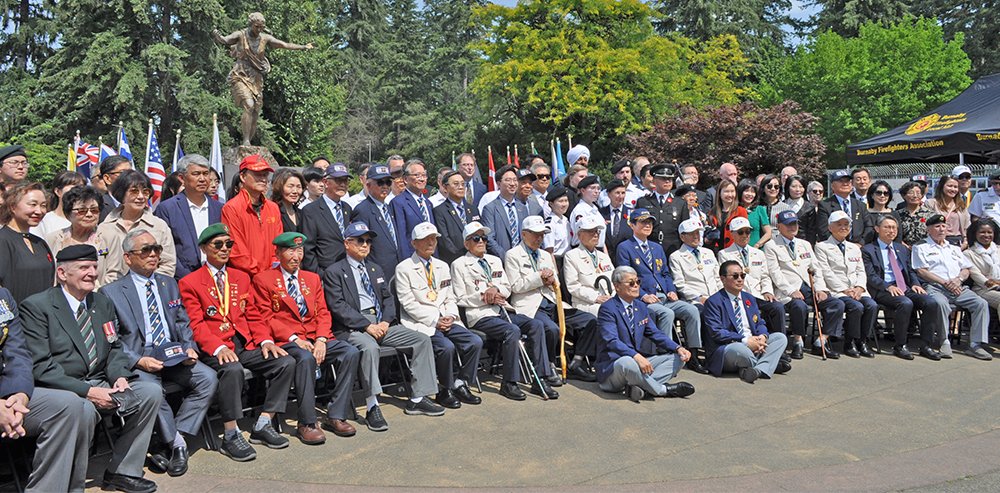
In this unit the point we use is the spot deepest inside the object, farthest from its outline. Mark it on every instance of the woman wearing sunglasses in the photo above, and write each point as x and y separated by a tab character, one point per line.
879	196
133	190
82	206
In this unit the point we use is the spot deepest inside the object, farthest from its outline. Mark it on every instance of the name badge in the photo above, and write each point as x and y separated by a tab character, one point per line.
756	263
380	280
498	274
445	283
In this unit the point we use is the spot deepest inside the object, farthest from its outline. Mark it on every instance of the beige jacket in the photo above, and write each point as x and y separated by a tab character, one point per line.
470	281
758	281
417	310
840	271
111	257
580	275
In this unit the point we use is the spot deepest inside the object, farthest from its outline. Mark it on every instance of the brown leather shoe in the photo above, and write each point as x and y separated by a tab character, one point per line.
339	427
310	434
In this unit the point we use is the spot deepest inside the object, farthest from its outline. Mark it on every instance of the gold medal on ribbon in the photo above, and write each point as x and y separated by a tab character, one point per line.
224	327
432	295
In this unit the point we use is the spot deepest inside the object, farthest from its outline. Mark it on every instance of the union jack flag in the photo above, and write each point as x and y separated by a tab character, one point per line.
154	165
87	157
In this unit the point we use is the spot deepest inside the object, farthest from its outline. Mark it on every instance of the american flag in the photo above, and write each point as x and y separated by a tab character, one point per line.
154	164
87	157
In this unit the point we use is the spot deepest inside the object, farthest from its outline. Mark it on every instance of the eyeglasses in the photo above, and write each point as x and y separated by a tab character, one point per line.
476	238
543	177
881	192
418	175
17	163
741	275
817	192
631	283
743	232
113	174
148	250
142	192
219	244
85	211
773	186
362	241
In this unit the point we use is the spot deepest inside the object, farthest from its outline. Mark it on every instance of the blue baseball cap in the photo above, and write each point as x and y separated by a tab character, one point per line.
357	229
170	353
640	215
379	172
337	170
840	174
788	217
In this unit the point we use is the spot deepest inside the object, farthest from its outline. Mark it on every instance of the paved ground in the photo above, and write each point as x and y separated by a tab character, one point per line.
875	425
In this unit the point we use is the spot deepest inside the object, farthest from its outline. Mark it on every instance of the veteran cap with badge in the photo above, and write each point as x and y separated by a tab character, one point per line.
590	222
289	240
77	252
639	215
474	227
690	226
170	353
358	229
535	224
213	231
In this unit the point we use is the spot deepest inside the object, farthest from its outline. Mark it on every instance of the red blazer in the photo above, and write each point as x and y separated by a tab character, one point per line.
253	251
201	298
279	312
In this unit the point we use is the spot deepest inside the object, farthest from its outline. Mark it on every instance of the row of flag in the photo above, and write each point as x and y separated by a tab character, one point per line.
558	164
86	158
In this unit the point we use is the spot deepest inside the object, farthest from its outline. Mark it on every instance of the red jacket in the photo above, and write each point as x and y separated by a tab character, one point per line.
253	251
202	301
280	313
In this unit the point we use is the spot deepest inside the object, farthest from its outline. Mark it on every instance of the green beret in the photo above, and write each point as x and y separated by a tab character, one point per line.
289	240
213	230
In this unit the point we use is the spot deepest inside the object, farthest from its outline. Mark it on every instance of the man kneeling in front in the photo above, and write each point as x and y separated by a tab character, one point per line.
623	322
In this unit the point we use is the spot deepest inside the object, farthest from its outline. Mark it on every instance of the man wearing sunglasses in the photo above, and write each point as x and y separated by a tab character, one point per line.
231	337
324	221
758	281
986	204
153	322
364	313
482	288
626	356
542	184
378	215
738	340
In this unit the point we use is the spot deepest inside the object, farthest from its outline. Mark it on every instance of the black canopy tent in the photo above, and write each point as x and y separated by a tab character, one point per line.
963	128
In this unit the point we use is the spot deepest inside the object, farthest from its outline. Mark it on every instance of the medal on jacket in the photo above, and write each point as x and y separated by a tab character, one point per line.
109	331
276	302
429	273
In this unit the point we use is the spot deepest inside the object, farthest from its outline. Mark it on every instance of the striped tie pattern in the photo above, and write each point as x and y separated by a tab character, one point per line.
366	283
515	239
157	334
737	313
388	222
293	291
338	214
461	213
423	210
87	332
648	254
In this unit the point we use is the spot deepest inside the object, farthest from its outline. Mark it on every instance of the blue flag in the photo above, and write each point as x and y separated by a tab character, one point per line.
123	148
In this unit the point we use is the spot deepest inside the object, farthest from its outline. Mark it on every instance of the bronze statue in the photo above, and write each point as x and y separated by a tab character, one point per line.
247	46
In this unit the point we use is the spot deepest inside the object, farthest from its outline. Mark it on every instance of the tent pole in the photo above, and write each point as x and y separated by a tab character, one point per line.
961	158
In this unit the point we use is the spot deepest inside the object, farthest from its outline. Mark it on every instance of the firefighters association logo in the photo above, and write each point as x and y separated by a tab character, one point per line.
923	124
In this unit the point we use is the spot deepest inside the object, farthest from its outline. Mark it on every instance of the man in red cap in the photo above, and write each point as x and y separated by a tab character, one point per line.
253	220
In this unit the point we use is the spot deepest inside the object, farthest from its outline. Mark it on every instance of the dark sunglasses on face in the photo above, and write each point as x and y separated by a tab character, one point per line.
773	186
817	192
542	177
148	250
743	232
881	192
741	275
385	182
631	283
476	238
362	241
219	244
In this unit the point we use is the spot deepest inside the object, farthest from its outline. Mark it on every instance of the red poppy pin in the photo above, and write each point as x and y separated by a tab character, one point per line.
747	303
923	219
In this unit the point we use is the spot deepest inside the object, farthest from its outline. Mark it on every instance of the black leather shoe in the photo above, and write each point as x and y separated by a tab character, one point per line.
268	437
375	420
902	352
865	350
577	371
679	389
178	462
850	350
554	380
549	391
511	391
929	353
749	374
129	484
466	396
783	367
694	364
447	399
634	393
237	449
796	351
158	462
424	406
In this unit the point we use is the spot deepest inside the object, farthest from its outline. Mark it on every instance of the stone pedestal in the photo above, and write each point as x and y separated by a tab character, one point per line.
231	157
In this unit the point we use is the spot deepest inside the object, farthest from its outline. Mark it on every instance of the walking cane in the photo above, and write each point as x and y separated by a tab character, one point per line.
561	315
525	358
599	285
816	313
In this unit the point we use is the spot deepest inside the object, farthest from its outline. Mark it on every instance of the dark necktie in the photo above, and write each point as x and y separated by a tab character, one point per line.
842	249
615	217
338	214
515	238
366	283
220	283
423	209
737	313
87	332
648	254
461	213
746	257
293	291
155	322
388	222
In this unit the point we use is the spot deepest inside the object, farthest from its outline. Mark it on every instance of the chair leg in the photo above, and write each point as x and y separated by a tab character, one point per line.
206	434
18	487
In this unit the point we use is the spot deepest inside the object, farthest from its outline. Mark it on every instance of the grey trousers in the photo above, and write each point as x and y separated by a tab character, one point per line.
64	424
665	312
129	451
977	307
421	363
737	355
626	371
199	382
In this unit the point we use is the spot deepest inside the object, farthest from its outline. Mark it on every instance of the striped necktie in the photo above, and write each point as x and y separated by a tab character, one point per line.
338	214
746	257
737	313
648	254
388	222
157	334
366	283
461	212
515	238
293	290
87	332
423	209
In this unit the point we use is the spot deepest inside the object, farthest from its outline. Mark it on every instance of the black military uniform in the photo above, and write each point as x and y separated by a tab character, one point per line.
668	210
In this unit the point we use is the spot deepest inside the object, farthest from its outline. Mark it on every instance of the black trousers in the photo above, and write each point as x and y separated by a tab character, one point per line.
457	341
902	309
344	357
279	373
509	334
582	325
774	315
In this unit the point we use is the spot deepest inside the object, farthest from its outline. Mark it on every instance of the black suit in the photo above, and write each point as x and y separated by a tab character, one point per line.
324	243
384	250
344	303
669	217
862	229
451	245
902	306
613	238
108	206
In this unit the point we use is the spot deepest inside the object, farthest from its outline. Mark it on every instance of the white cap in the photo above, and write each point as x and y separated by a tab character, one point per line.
690	226
590	221
534	224
960	170
423	230
473	228
739	223
838	216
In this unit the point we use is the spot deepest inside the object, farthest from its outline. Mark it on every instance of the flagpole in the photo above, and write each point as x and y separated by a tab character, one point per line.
569	141
121	125
177	145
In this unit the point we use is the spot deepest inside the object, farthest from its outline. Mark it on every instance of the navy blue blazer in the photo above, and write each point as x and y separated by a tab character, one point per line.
862	228
451	245
177	214
324	245
341	291
408	215
495	217
619	338
624	231
132	320
15	360
720	325
650	276
872	258
384	251
478	190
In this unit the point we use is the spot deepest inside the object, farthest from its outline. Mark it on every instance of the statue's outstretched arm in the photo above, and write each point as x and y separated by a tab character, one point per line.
277	43
227	40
